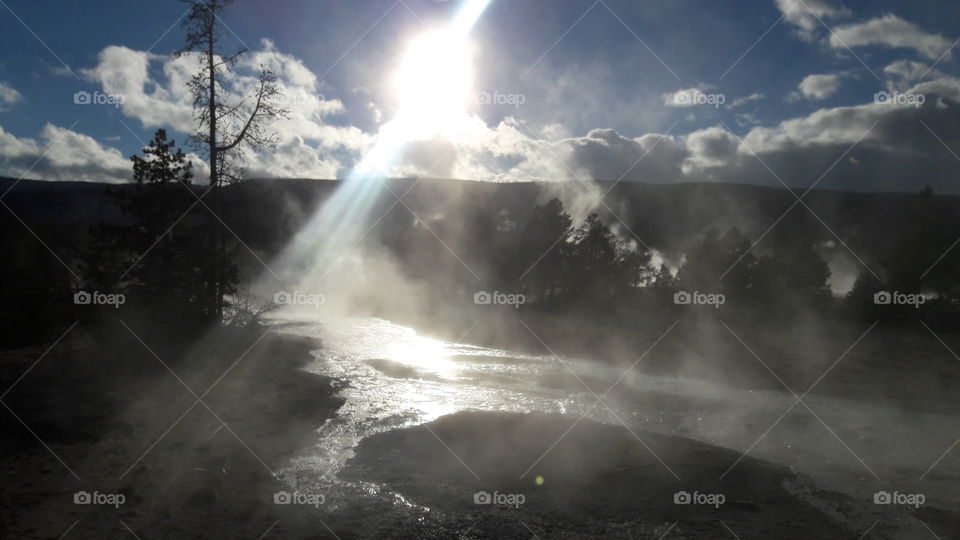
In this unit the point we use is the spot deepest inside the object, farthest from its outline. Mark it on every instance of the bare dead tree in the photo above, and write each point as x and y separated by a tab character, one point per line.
227	124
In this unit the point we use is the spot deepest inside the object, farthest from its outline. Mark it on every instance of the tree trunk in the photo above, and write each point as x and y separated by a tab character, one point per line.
213	273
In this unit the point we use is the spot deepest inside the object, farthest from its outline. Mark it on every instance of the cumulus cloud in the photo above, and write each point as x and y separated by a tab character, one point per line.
902	74
711	147
121	71
909	70
943	88
315	143
893	32
891	146
160	98
8	96
13	148
805	15
62	154
606	155
504	152
819	87
897	129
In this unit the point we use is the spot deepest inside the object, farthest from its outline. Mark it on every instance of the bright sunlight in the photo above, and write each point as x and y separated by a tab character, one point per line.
433	82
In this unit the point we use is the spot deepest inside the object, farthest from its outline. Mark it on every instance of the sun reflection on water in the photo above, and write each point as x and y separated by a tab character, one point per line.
422	353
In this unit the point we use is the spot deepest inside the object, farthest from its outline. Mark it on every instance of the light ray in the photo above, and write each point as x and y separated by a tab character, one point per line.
339	221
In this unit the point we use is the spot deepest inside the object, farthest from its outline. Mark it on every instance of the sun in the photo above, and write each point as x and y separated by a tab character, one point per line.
433	83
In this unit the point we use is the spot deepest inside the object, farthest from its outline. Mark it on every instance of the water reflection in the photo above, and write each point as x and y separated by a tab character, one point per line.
398	378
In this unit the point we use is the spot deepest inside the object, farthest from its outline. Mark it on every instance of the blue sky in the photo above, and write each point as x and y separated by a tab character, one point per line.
780	89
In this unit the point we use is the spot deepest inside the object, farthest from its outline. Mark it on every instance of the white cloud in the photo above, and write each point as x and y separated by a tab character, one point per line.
13	148
62	154
891	145
756	96
806	15
165	102
746	119
8	96
312	145
908	70
711	147
945	87
293	158
71	150
894	32
124	72
819	87
500	153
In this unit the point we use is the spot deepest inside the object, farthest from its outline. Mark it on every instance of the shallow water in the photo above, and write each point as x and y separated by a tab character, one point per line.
398	378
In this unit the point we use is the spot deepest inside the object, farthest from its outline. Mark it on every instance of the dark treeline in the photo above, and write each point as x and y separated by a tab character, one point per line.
600	268
150	241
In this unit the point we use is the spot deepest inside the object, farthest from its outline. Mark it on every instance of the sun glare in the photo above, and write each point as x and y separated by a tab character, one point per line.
423	353
433	83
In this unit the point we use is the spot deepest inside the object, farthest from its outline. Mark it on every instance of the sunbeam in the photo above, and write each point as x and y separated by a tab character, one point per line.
433	81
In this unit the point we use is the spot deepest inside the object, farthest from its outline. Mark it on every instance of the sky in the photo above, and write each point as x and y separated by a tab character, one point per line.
836	94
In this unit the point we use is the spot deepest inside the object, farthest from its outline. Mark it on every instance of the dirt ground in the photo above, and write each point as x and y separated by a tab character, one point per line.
111	418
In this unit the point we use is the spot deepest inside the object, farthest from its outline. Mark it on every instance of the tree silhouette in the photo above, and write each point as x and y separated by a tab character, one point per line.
226	125
157	250
544	248
794	274
603	267
719	263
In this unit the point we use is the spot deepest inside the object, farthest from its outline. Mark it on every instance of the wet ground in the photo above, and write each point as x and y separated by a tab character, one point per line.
829	452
